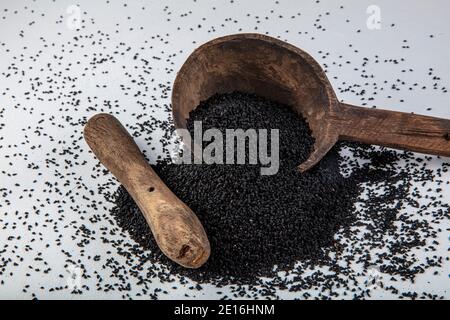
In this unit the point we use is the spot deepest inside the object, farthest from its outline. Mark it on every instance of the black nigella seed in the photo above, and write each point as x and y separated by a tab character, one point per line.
259	226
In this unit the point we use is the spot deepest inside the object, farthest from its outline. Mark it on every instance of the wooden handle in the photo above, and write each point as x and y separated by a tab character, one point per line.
177	230
397	130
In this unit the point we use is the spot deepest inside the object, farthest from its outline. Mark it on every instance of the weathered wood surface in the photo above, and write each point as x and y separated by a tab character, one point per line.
278	71
177	230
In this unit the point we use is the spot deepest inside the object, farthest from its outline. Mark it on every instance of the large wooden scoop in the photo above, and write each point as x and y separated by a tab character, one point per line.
276	70
175	227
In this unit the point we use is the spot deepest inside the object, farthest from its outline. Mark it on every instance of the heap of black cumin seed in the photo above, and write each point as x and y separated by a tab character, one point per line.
375	224
257	224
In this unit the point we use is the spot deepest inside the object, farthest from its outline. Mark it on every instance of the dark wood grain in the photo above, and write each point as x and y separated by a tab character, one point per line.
398	130
276	70
177	230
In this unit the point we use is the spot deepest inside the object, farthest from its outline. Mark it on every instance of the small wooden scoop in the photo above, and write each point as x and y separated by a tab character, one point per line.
177	230
276	70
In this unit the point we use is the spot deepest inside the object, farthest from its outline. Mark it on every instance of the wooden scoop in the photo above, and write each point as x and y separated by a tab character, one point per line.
276	70
177	230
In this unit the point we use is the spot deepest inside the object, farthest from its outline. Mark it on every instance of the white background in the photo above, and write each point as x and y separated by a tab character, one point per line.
170	30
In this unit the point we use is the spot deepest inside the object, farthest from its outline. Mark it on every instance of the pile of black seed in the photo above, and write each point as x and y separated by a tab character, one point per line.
257	224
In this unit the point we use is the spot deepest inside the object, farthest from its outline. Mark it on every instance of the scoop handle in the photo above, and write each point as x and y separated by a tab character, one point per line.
393	129
176	229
